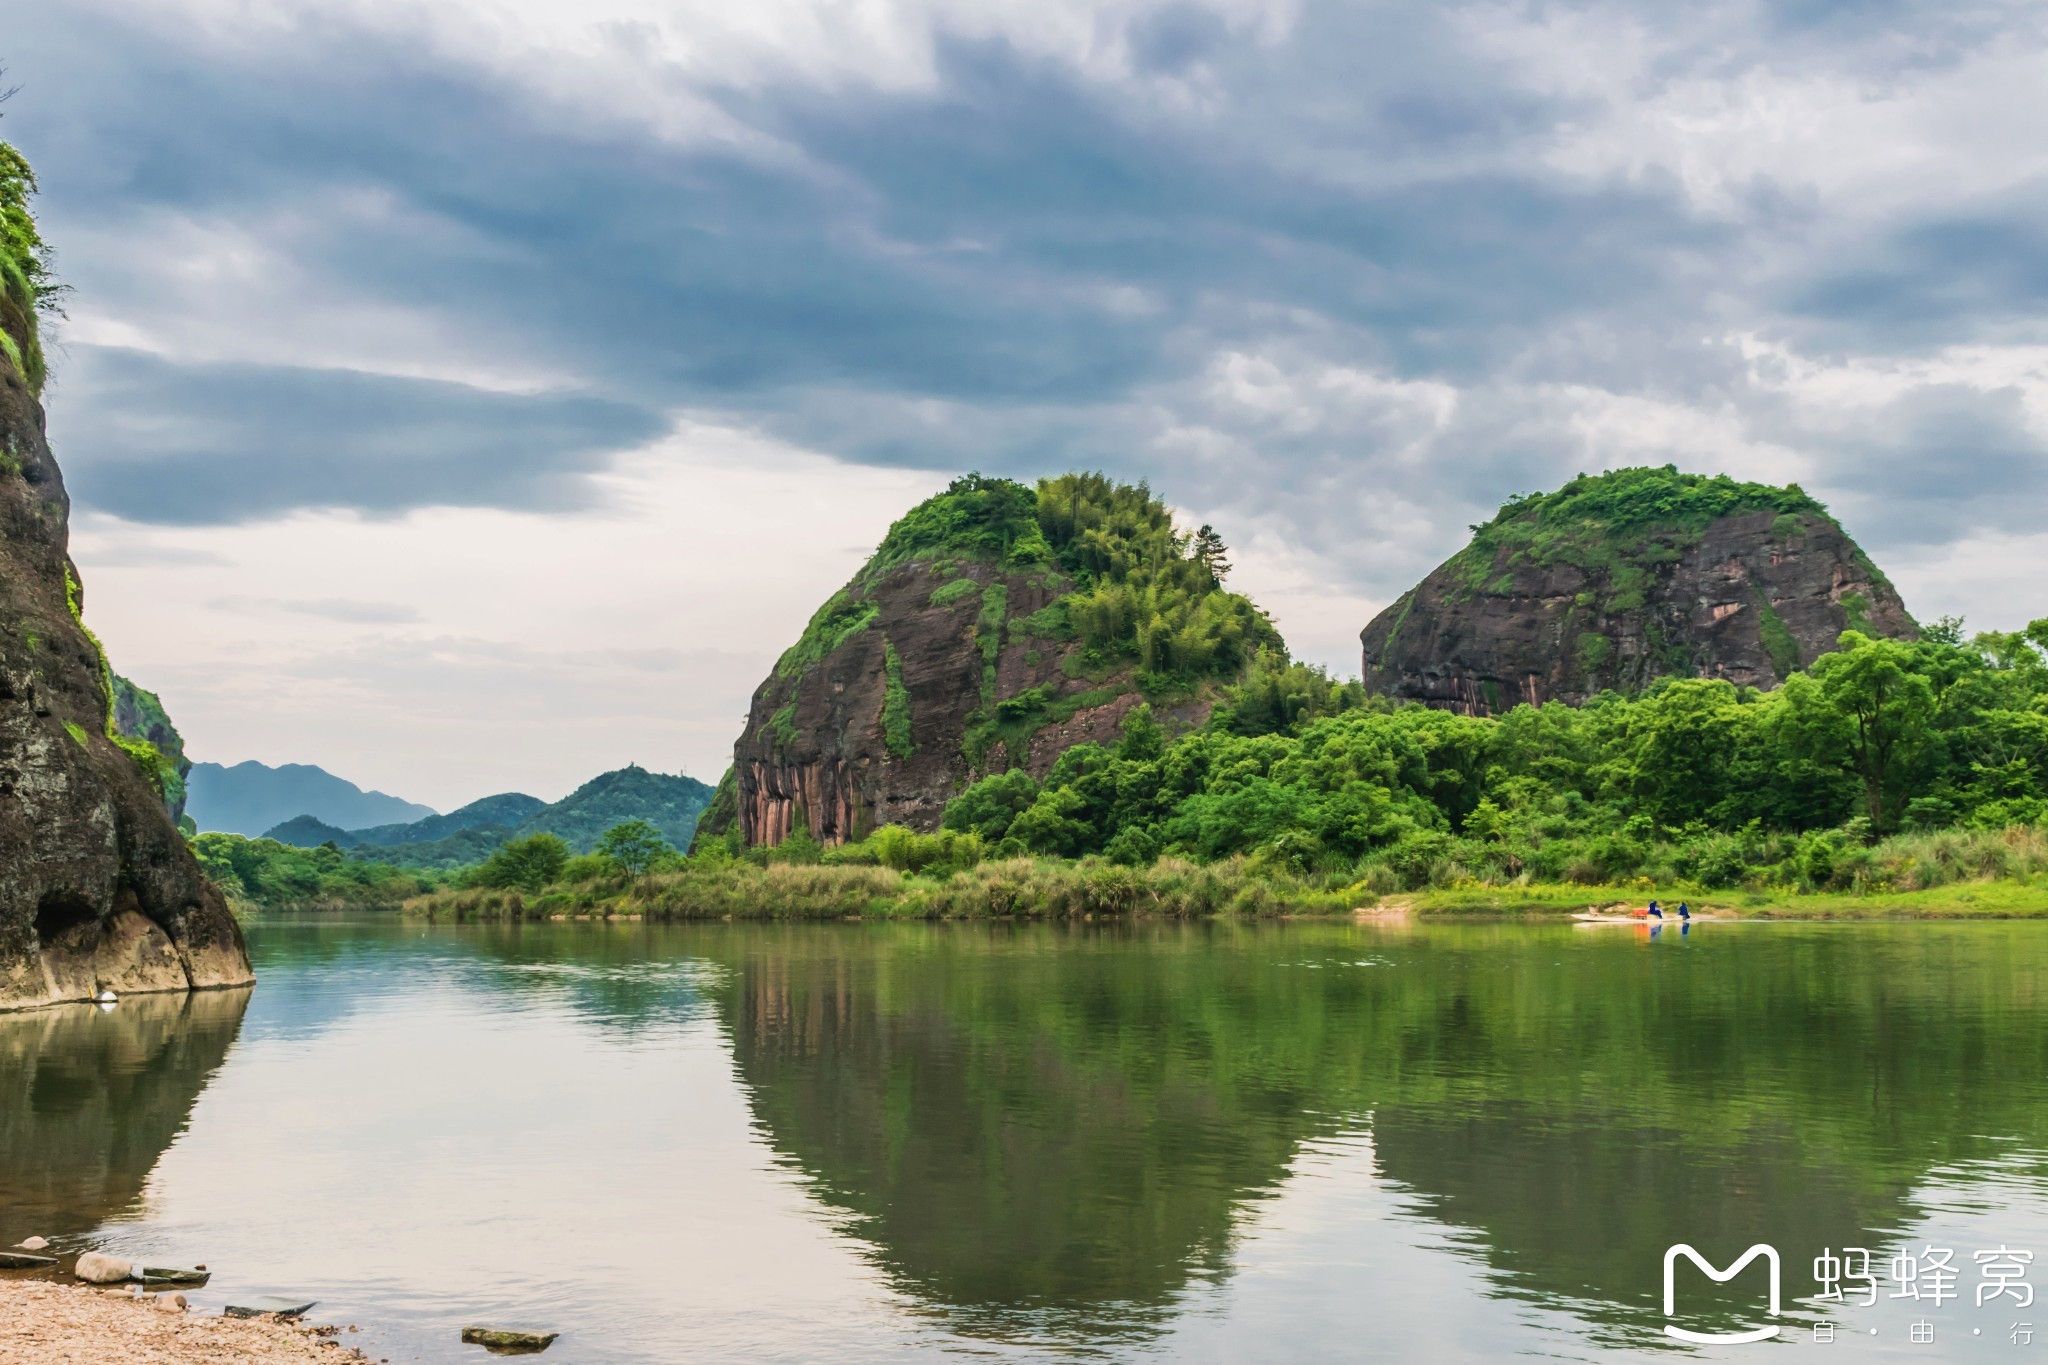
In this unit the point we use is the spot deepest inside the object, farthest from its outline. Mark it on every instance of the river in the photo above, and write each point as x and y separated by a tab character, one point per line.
1205	1142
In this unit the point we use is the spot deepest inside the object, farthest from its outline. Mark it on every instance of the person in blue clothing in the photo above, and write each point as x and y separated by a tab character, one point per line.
1684	910
1655	911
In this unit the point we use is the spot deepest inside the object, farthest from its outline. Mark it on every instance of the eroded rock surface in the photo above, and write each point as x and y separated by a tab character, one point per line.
817	749
1563	611
996	627
97	889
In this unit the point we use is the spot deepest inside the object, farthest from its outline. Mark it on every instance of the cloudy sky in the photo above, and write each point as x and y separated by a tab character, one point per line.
476	394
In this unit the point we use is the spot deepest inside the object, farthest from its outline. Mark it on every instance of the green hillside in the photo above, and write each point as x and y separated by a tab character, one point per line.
670	804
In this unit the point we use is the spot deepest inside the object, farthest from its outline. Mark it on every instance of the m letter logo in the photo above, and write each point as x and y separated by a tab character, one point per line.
1770	1255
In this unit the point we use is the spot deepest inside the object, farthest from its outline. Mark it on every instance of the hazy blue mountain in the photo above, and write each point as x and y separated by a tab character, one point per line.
252	797
670	804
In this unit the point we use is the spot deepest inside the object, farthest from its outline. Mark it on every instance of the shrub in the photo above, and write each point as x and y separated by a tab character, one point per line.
528	863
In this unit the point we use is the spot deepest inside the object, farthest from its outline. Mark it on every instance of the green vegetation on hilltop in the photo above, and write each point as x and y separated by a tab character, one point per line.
1623	501
988	520
1143	589
670	803
1620	526
1136	591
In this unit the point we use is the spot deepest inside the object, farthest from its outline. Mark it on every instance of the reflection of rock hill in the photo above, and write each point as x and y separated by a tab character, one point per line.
1058	1128
1617	580
1578	1208
89	1100
1732	1095
1019	1160
96	886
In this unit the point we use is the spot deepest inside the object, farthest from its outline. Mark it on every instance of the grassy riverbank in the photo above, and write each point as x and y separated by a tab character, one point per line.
1963	900
1036	887
1993	874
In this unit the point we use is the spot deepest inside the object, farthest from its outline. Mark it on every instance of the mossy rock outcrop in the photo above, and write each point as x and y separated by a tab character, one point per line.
996	626
1618	579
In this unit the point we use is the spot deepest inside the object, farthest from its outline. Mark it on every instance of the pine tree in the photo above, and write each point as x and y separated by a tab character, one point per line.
1211	551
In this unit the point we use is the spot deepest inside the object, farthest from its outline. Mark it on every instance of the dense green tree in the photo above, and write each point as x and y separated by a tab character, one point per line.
1693	778
525	864
634	846
265	874
1883	708
990	806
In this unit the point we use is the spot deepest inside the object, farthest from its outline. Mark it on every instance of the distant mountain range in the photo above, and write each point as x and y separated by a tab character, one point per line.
670	804
252	797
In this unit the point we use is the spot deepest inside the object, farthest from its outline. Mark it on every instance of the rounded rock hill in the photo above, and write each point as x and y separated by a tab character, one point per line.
1618	579
996	626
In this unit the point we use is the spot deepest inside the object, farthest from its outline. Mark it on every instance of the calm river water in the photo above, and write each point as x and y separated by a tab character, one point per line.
1210	1142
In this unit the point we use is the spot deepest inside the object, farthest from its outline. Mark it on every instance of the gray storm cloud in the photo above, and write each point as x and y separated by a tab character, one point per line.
1362	271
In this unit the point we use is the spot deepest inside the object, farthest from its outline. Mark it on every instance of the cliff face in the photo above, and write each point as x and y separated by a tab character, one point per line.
97	889
1618	580
819	747
995	628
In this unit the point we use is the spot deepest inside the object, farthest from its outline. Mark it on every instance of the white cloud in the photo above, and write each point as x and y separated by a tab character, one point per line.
1992	580
1842	391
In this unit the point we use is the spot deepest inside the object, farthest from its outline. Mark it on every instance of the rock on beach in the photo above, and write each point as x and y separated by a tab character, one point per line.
97	1268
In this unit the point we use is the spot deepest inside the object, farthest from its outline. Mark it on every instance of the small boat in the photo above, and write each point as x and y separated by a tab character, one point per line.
1609	917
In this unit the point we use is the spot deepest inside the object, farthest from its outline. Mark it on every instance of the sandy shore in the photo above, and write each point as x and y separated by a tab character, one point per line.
63	1324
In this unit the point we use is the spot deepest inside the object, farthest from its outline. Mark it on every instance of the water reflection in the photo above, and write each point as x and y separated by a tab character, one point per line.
1197	1141
1043	1134
1061	1128
91	1097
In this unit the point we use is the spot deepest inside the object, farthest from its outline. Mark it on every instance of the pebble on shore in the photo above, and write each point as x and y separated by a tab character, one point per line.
42	1323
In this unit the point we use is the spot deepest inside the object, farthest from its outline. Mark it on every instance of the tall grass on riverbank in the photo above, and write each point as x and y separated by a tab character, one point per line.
1031	887
2003	872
